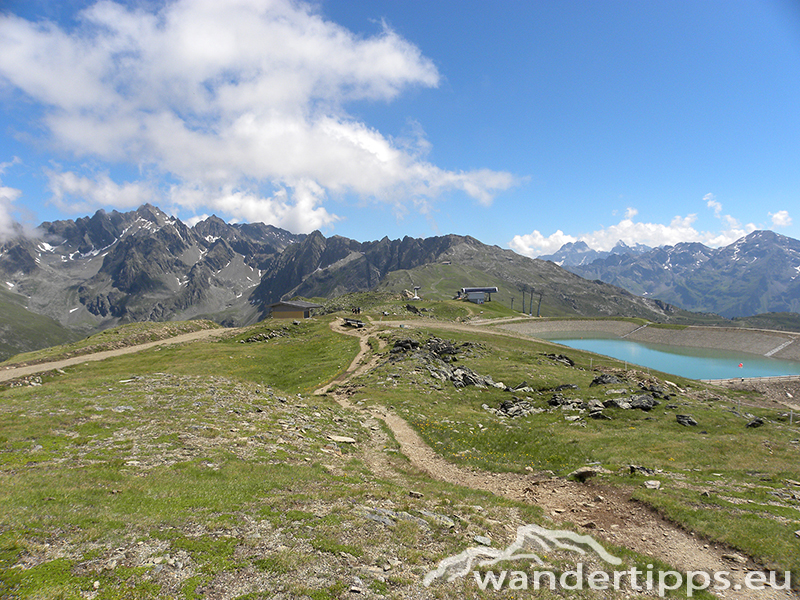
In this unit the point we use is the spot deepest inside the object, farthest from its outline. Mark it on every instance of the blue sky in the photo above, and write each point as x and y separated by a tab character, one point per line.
523	124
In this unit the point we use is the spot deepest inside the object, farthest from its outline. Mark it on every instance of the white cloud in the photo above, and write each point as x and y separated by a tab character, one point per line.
247	95
296	209
8	196
781	218
76	193
535	244
194	220
680	229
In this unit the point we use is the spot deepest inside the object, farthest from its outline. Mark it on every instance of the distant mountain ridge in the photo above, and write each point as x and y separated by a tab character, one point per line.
94	272
110	268
139	265
757	274
580	254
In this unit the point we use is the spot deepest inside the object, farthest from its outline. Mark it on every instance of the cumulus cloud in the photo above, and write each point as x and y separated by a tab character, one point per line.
781	218
8	196
631	232
535	244
75	193
297	209
244	101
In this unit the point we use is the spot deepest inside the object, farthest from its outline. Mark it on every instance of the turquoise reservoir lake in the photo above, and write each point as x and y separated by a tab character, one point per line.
694	363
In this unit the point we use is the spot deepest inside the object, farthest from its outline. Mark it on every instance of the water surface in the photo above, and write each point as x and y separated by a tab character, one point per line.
695	363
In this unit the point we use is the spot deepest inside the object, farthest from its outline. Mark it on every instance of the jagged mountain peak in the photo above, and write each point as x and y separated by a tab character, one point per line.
145	264
154	214
622	248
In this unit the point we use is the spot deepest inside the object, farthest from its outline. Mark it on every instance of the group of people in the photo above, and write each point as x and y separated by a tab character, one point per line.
356	311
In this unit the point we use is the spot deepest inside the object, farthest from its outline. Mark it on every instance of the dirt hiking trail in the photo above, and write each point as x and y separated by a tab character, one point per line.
607	513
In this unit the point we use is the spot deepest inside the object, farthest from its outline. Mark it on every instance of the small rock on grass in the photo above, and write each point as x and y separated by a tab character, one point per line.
584	473
652	484
341	439
482	540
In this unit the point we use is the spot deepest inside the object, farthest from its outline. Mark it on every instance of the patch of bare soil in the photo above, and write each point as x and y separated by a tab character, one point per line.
608	514
775	392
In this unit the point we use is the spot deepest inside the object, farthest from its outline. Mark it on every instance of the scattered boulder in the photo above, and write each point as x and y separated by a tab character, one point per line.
656	390
412	309
583	473
594	404
652	484
605	379
617	403
405	345
462	377
757	422
686	420
482	540
644	402
514	408
566	386
643	470
561	358
561	400
599	415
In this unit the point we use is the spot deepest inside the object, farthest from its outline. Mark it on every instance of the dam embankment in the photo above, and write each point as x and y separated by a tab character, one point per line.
775	344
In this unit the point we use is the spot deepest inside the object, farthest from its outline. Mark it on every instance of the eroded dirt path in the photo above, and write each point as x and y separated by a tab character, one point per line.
606	513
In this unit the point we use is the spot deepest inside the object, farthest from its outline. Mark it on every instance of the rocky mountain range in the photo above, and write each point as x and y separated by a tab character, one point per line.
757	274
95	272
577	254
141	265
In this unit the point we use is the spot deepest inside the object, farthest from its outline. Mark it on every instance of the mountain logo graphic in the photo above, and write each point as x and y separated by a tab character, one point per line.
529	537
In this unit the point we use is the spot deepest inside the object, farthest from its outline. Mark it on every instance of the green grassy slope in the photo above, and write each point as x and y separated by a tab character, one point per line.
22	330
118	337
721	478
207	469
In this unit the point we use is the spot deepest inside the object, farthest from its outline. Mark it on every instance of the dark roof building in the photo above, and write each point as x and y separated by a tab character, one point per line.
292	309
478	295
